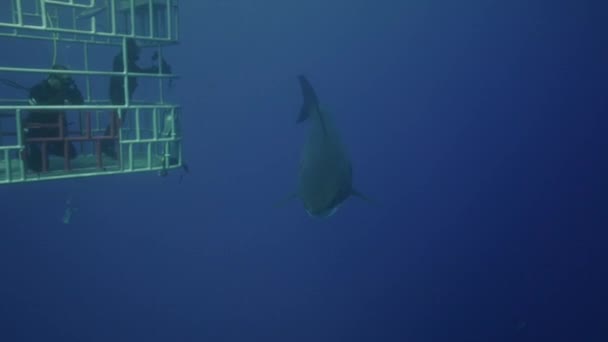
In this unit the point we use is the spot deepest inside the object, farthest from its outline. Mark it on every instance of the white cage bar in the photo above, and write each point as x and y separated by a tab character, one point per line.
150	140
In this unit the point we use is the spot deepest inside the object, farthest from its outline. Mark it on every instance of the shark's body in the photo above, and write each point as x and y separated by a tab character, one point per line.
325	175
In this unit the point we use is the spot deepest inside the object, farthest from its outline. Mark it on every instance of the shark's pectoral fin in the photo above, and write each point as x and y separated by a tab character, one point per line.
286	200
356	193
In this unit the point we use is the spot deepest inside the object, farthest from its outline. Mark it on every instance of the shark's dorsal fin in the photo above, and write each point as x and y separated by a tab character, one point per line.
310	102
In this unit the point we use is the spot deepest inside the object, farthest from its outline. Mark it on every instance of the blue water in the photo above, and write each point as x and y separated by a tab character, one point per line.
478	127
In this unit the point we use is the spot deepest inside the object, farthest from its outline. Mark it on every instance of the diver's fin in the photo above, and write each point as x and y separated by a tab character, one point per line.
87	14
356	193
311	102
286	200
34	159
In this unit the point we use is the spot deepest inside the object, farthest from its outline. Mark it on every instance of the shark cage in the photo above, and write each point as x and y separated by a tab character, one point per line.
86	48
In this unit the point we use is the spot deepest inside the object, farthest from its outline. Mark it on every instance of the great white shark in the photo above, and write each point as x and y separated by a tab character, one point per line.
325	177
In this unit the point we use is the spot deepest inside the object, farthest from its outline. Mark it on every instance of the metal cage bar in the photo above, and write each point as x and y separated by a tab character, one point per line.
142	144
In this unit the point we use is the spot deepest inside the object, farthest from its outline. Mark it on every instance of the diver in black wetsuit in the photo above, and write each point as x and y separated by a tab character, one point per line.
57	89
117	91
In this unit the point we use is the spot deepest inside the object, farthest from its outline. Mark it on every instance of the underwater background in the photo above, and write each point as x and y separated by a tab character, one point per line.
478	128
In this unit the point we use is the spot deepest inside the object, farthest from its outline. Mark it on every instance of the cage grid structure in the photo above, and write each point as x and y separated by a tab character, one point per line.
145	132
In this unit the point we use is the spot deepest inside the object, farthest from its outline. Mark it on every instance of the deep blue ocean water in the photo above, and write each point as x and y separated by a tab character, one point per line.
478	128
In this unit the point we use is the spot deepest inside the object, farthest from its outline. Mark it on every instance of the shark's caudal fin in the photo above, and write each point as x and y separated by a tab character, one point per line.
311	102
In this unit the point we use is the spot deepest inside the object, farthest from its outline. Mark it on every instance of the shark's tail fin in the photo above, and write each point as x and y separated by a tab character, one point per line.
311	102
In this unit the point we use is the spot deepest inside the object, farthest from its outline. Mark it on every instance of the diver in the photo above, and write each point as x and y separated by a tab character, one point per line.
186	170
117	90
57	89
70	210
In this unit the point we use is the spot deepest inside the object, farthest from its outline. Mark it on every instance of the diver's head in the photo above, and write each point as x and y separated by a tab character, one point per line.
132	49
57	80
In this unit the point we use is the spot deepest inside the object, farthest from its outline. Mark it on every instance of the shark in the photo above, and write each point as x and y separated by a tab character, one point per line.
325	177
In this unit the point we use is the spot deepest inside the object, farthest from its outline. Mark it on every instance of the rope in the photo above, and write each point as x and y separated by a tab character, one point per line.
55	37
13	84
